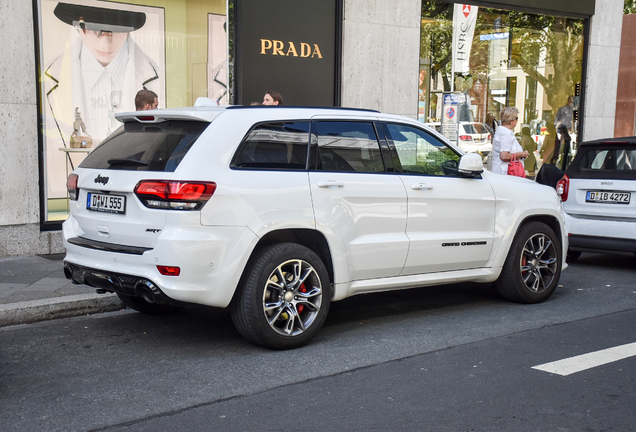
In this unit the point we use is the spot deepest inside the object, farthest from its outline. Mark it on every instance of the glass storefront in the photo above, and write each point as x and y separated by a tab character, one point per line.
95	55
493	58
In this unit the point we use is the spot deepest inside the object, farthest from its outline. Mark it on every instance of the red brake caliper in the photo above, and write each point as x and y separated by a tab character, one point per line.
524	261
302	290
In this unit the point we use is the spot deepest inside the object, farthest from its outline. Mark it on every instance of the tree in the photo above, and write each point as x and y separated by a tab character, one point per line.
560	40
557	40
437	38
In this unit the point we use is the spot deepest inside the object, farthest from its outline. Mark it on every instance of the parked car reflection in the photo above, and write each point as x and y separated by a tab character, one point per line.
472	137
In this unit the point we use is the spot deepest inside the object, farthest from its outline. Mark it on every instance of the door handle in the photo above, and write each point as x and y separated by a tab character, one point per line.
421	186
330	184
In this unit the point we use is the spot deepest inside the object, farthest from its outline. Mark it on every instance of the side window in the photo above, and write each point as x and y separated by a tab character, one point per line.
421	153
274	145
347	146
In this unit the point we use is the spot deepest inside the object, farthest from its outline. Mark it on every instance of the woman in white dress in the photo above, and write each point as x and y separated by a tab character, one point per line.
504	143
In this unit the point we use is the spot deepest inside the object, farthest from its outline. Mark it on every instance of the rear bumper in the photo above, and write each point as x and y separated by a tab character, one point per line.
595	235
118	283
601	244
211	260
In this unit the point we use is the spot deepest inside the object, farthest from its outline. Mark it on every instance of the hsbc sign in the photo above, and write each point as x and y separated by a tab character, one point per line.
464	19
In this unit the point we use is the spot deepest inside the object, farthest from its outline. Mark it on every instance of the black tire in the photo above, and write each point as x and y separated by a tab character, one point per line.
274	306
572	256
532	268
141	305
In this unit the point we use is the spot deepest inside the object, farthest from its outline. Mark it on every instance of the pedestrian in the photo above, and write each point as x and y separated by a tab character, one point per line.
146	100
504	143
561	157
528	144
549	143
491	124
272	98
565	114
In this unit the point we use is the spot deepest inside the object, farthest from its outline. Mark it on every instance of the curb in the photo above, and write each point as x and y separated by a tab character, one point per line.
28	312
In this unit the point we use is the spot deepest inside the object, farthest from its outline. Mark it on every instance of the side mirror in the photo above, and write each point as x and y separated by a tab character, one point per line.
470	165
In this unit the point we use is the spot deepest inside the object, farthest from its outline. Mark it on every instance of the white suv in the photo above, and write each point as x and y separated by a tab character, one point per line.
275	212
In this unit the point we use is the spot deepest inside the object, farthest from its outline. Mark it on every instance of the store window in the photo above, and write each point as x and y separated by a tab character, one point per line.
95	56
493	58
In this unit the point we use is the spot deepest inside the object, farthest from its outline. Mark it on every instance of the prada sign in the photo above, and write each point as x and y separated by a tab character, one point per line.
289	46
277	47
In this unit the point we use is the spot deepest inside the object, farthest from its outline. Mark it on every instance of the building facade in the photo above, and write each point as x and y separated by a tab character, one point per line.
390	56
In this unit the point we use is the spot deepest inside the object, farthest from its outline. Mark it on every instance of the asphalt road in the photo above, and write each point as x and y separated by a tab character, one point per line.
450	358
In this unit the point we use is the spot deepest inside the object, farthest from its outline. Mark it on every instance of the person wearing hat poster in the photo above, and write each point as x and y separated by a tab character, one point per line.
94	70
104	71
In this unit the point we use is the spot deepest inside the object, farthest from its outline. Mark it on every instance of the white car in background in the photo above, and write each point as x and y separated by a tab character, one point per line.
472	138
599	197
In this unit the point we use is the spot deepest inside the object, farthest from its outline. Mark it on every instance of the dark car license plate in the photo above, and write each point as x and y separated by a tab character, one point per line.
608	197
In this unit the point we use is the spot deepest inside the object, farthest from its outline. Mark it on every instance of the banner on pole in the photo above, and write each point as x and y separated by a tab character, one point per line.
464	20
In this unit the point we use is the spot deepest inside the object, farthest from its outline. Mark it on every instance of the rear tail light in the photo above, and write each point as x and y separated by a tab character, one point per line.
71	186
563	188
489	138
174	195
169	271
465	138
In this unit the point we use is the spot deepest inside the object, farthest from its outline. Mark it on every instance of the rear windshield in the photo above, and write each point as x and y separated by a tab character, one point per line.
469	128
146	147
604	162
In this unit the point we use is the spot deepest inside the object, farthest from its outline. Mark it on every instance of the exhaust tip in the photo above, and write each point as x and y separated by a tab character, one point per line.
147	291
76	277
68	273
146	295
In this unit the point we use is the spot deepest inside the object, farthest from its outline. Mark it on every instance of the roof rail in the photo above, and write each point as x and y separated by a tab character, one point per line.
297	107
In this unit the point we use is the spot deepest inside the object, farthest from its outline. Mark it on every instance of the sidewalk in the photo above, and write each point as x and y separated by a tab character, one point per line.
33	288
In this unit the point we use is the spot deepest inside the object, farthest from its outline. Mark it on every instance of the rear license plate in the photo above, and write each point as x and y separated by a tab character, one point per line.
106	203
608	197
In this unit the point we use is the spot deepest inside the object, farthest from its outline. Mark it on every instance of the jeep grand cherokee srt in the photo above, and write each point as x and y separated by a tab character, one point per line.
275	212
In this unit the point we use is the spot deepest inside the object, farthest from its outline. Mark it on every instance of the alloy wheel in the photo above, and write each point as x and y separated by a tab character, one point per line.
538	263
292	297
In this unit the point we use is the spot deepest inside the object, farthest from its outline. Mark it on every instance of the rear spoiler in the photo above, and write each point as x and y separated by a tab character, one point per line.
204	113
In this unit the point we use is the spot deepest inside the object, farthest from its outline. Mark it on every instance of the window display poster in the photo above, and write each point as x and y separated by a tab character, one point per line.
217	59
95	56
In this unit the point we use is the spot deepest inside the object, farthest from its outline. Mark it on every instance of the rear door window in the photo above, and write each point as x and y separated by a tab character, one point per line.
274	145
346	146
146	147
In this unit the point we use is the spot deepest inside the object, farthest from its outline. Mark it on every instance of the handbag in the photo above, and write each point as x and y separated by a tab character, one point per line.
515	167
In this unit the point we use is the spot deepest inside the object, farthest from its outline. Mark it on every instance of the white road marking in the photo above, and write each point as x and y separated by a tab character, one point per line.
591	360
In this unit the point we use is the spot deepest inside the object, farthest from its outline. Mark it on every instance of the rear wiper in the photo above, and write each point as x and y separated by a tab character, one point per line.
126	162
